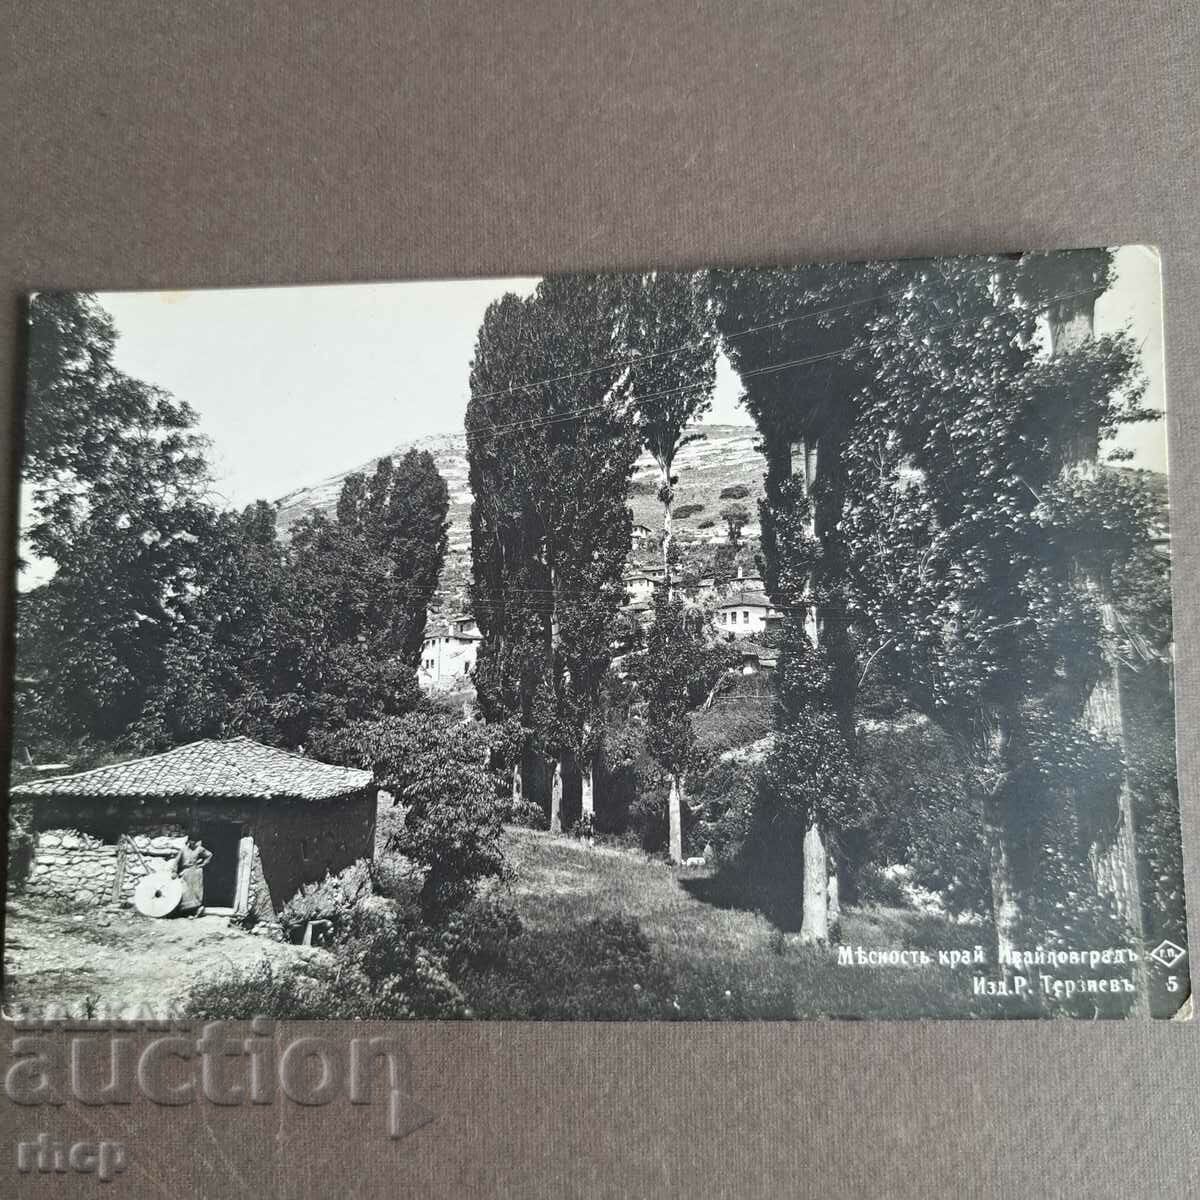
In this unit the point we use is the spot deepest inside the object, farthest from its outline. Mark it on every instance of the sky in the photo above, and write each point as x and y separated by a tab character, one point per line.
292	385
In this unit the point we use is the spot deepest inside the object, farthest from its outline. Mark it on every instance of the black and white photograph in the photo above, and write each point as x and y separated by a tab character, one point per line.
730	644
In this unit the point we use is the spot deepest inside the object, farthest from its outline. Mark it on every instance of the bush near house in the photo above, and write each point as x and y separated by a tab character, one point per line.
381	970
335	899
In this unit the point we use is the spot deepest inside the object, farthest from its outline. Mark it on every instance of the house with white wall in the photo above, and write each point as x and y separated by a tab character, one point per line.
744	614
448	654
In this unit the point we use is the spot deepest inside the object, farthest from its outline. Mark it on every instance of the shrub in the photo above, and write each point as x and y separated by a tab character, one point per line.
390	972
585	827
725	727
735	491
707	523
687	510
334	899
384	970
920	805
528	814
389	825
478	936
604	970
726	794
434	766
877	886
394	878
648	819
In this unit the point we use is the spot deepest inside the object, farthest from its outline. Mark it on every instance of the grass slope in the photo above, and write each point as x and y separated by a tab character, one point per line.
729	963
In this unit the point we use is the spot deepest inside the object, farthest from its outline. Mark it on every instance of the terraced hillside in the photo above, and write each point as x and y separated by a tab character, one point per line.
726	457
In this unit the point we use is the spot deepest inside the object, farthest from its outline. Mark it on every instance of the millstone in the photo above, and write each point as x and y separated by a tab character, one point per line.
157	895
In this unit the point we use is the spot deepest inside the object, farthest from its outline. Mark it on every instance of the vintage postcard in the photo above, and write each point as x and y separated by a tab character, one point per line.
685	645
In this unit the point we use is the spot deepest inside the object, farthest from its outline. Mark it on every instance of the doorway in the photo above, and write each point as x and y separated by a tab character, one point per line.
223	840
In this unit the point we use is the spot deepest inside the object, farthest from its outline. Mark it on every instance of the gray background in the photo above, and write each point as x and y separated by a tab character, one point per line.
199	144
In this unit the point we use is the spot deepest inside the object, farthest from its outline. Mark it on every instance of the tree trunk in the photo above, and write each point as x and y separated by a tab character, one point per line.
1004	902
518	785
814	925
1114	866
1072	321
586	792
668	503
556	793
814	918
835	896
675	820
1005	910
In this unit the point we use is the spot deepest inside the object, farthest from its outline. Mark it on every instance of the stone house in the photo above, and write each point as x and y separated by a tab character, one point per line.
273	821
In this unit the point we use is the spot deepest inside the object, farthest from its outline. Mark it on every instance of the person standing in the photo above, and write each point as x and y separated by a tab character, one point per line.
189	868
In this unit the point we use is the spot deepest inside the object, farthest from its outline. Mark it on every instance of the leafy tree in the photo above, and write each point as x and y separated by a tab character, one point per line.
353	616
436	768
735	517
221	666
116	506
401	514
671	339
1065	288
551	447
962	540
675	674
791	334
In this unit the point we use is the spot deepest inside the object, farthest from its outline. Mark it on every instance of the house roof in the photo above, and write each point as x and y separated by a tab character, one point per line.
767	656
235	769
747	600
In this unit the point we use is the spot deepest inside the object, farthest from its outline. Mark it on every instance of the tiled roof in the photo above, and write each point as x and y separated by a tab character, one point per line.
234	769
748	646
755	599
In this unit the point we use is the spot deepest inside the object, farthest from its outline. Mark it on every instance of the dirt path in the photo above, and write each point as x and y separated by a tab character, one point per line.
118	963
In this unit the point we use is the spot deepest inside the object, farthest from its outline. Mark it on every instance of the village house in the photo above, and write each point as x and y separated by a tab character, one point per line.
273	821
745	614
640	586
756	658
643	537
448	654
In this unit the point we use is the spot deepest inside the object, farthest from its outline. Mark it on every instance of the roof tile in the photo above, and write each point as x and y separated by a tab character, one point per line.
233	769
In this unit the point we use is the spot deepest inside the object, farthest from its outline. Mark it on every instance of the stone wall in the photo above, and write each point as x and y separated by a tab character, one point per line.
71	865
295	842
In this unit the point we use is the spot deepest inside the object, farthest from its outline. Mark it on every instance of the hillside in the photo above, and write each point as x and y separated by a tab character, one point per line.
725	457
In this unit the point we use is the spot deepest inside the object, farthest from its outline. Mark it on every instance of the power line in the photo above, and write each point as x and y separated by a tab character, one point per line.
641	359
754	372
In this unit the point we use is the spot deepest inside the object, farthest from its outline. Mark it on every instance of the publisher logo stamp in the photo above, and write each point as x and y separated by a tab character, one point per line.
1167	954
